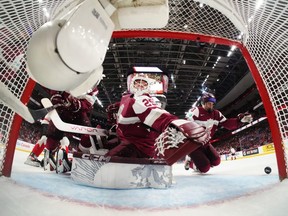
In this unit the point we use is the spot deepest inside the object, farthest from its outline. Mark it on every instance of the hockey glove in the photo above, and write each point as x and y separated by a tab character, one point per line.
192	131
245	117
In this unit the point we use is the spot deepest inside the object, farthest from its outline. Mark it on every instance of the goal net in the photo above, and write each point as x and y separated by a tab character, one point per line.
258	28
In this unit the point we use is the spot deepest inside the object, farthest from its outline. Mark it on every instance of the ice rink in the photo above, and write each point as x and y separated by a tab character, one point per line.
234	188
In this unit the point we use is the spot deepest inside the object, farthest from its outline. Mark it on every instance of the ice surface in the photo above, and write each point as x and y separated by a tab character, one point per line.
234	188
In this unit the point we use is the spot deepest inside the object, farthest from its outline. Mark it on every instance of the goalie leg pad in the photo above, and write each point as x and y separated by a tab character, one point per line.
62	162
120	172
48	160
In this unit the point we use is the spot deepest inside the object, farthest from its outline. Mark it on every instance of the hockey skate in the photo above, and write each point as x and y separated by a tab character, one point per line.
63	164
48	160
32	160
193	166
189	164
186	164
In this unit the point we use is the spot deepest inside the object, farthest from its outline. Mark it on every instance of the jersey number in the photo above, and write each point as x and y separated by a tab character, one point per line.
148	102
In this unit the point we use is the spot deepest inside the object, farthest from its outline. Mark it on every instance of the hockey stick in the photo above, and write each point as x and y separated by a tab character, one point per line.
67	127
30	115
249	125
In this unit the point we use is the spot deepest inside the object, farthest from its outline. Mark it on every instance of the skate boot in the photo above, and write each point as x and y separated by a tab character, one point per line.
186	164
62	162
193	166
32	160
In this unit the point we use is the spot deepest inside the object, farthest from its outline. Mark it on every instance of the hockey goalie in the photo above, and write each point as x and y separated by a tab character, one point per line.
141	120
150	138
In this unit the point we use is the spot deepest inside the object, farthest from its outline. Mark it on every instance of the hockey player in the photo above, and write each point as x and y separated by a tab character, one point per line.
77	113
140	120
233	153
206	156
38	148
112	139
74	110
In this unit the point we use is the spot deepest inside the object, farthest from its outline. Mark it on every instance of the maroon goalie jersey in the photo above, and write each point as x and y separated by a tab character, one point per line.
212	120
141	121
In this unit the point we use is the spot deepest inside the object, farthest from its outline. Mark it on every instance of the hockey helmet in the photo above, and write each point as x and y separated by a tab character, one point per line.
147	80
208	97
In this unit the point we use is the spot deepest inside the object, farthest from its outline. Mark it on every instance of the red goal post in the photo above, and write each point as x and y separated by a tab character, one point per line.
258	30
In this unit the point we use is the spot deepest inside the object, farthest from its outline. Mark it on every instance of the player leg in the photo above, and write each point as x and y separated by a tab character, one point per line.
199	160
212	155
38	148
32	159
63	164
49	153
187	162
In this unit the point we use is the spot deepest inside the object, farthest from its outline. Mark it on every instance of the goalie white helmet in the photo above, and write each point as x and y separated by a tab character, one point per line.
147	80
140	83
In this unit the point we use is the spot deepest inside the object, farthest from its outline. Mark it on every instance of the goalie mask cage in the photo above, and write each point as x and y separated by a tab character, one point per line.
257	28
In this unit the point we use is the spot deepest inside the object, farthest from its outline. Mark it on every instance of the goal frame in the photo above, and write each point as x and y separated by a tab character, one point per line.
274	127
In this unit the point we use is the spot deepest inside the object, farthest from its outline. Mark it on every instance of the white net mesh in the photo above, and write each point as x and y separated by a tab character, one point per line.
266	39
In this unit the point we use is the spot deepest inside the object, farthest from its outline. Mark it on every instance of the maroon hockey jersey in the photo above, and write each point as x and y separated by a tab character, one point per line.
211	120
141	121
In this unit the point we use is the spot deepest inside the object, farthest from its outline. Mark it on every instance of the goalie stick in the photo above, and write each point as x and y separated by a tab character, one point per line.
72	128
30	115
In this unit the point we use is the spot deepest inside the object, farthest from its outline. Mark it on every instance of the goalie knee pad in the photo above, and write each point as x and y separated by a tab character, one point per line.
64	142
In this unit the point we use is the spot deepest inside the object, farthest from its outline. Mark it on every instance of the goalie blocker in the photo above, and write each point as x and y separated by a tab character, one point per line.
180	138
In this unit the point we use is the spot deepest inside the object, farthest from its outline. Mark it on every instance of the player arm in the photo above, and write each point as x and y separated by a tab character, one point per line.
231	123
85	105
160	120
234	123
150	114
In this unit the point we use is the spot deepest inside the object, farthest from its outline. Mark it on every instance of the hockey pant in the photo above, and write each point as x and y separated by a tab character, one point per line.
205	157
